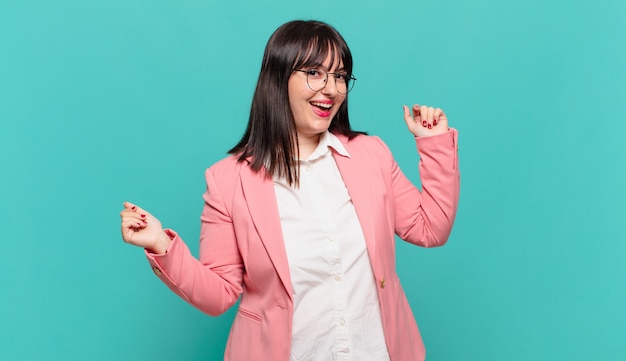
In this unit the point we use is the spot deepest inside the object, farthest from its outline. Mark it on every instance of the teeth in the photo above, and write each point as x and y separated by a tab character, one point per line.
322	105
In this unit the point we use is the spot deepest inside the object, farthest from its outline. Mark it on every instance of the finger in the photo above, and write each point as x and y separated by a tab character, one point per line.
411	116
134	223
429	117
135	208
436	116
127	234
407	115
408	119
416	112
130	206
443	119
424	115
140	213
132	217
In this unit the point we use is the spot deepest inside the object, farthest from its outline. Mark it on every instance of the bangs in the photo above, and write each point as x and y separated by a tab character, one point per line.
320	48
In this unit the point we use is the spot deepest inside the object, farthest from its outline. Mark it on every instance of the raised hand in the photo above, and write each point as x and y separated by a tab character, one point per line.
425	121
142	229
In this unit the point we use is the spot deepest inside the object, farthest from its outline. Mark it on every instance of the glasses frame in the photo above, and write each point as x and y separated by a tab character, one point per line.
349	86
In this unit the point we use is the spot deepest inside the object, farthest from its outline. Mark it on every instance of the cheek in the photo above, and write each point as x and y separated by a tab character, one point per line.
298	95
340	101
296	103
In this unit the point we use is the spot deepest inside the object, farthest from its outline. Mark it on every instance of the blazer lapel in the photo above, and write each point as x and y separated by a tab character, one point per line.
260	197
354	172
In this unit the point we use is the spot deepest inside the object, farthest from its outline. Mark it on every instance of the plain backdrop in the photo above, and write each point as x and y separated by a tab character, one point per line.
107	101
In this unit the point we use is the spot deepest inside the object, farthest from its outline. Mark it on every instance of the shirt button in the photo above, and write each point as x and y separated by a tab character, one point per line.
382	283
337	278
342	322
156	271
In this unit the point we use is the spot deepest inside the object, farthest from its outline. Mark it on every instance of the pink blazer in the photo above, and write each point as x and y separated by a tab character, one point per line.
242	251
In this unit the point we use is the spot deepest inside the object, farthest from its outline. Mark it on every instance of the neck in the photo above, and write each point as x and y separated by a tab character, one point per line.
307	145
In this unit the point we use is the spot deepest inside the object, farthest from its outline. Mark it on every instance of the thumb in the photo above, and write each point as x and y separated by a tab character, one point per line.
407	115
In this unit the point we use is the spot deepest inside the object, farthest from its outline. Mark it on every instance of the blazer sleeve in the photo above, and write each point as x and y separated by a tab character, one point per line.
425	218
214	282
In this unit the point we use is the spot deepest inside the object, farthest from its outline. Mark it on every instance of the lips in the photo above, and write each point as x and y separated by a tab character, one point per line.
322	108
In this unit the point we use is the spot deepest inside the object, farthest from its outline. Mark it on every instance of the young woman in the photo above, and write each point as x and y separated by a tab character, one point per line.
299	221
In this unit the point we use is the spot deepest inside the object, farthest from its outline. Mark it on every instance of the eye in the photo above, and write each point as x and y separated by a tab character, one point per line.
342	77
315	73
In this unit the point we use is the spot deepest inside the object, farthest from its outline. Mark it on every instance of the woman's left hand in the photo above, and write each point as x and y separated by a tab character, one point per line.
426	121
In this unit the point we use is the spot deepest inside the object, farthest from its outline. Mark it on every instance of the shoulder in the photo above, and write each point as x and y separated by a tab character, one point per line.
231	168
226	171
227	164
369	146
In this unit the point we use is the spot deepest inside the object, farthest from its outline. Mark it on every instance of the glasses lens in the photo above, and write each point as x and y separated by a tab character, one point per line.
346	85
316	79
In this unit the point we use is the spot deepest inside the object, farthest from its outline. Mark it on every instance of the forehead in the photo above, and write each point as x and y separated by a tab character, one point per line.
331	63
320	55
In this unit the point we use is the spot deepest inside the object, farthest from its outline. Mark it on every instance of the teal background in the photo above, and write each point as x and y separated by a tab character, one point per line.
106	101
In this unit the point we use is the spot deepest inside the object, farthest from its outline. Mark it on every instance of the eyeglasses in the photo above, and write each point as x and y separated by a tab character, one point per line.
316	80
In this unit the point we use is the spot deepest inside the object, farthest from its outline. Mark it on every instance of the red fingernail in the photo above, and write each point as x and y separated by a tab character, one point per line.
143	216
435	122
134	208
139	224
424	123
429	126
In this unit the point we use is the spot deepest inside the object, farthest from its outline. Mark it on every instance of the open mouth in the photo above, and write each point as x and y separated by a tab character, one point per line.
322	106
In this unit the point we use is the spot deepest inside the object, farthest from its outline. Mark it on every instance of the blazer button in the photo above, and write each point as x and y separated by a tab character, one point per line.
157	271
382	283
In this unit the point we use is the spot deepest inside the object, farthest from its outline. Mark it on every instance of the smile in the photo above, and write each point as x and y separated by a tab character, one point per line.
325	106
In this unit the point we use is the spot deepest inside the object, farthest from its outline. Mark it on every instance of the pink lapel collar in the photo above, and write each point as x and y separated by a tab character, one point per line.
261	200
354	171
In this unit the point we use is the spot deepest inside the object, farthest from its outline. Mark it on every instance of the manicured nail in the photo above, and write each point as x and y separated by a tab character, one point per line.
424	123
134	208
429	126
435	122
139	224
143	216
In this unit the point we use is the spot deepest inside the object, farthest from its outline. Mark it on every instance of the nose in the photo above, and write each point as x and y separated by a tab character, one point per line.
330	87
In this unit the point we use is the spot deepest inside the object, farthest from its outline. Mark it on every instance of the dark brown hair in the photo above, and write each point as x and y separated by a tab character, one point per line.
270	137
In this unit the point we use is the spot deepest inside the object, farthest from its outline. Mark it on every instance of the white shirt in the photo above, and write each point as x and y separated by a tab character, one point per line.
336	310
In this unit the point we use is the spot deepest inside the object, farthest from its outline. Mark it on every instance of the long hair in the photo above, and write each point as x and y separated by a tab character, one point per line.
270	139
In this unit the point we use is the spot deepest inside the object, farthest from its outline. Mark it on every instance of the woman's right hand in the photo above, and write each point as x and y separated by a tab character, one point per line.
142	229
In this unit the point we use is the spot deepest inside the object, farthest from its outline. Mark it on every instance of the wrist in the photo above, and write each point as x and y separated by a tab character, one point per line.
163	242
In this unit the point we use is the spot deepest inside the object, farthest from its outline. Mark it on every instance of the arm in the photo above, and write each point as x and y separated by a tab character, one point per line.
213	283
426	218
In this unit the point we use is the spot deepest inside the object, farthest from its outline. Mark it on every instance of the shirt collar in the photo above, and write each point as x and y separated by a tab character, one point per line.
328	140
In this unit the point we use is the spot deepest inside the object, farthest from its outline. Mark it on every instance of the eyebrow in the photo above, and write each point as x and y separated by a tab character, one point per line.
321	66
342	69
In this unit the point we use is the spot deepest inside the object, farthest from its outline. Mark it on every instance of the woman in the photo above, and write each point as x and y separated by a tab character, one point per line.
300	220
